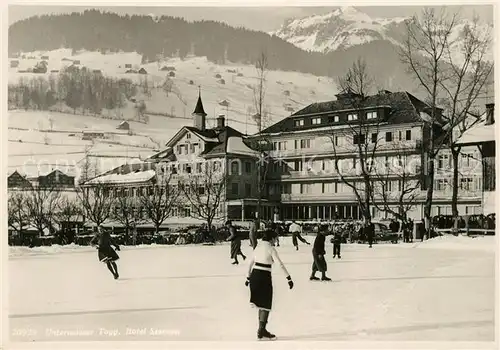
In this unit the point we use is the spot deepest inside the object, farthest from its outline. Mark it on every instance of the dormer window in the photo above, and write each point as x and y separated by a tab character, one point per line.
351	117
299	122
371	115
316	121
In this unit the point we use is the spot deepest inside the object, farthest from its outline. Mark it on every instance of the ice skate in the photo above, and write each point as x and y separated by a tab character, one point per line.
324	278
313	278
264	334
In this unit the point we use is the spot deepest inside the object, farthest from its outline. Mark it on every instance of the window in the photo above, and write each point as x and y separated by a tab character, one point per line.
235	188
408	135
305	144
216	166
443	161
282	145
235	167
179	149
359	139
441	184
186	149
187	212
199	168
299	122
248	167
248	190
336	119
275	146
188	136
388	136
316	121
371	115
305	188
195	148
298	165
351	117
467	159
188	168
467	184
374	137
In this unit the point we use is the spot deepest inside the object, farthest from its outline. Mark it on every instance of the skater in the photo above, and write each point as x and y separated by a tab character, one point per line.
370	233
336	240
235	243
260	280
105	252
277	231
295	229
252	235
319	262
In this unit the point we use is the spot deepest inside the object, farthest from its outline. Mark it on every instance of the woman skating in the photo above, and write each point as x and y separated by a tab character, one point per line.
105	252
260	280
235	243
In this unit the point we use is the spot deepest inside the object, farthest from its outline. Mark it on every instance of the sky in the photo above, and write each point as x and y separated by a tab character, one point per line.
256	18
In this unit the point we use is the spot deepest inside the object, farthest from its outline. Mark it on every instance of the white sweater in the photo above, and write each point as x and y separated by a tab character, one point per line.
266	254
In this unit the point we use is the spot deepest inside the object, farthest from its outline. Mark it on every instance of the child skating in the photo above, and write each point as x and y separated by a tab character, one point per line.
105	252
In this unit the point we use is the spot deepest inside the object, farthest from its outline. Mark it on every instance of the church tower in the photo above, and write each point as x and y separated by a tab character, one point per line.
199	114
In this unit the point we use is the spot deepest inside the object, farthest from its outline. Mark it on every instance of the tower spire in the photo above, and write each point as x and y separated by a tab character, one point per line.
199	113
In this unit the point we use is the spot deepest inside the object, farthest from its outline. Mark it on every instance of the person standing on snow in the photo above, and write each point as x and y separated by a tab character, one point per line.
235	240
252	235
105	252
260	280
319	262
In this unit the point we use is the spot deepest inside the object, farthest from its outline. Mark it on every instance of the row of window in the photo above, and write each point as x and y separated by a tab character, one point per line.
197	168
353	163
336	118
390	136
444	161
192	148
471	184
235	189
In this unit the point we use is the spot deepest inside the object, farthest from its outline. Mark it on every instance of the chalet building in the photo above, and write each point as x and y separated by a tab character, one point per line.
481	139
388	129
142	71
56	178
16	180
196	151
124	125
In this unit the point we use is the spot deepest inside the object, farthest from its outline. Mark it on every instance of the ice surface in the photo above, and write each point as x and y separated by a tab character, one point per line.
391	292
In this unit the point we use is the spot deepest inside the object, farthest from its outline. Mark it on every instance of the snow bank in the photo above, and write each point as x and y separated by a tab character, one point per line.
481	243
54	249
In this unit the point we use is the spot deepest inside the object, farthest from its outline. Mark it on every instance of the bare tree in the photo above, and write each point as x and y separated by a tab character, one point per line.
468	74
67	211
363	133
17	216
205	192
41	206
424	51
97	201
126	212
397	182
159	201
261	117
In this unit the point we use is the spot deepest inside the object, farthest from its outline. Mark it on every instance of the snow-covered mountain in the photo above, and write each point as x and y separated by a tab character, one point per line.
347	27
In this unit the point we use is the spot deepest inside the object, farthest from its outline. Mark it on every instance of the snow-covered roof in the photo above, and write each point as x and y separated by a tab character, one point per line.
235	145
140	176
478	133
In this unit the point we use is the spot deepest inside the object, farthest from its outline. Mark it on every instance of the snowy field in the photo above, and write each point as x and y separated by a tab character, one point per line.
433	291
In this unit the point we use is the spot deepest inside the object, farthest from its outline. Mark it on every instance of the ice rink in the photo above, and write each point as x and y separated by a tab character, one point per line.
403	292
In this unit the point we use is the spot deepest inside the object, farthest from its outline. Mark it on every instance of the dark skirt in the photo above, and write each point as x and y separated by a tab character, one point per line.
261	289
235	248
319	263
107	254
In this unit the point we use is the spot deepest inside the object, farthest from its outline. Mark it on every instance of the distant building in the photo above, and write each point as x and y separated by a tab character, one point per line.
124	125
14	64
56	178
142	71
168	68
54	71
45	57
286	93
90	135
16	180
224	103
128	65
171	74
97	71
218	76
130	71
65	59
75	62
222	81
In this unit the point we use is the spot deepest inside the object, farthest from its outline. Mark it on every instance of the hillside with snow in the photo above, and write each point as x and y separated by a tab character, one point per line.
42	140
348	27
